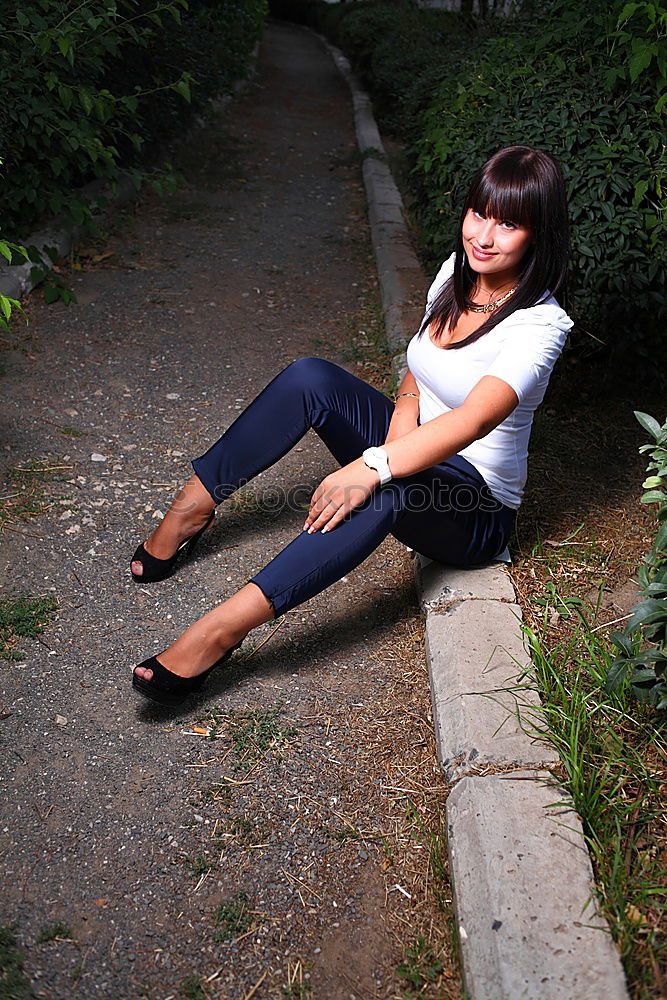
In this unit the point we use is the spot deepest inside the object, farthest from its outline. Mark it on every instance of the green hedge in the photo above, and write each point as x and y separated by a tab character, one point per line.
585	89
89	89
582	81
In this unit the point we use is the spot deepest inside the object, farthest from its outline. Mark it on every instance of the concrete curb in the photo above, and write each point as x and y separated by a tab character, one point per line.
17	280
521	875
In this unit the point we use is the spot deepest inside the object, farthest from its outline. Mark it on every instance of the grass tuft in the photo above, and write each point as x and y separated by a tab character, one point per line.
296	991
254	732
26	497
232	918
420	968
23	616
191	988
13	983
198	866
57	931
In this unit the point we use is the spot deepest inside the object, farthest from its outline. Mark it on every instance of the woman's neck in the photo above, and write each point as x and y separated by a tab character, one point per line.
485	289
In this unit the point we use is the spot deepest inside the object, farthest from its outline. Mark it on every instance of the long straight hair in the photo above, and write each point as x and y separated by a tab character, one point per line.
525	186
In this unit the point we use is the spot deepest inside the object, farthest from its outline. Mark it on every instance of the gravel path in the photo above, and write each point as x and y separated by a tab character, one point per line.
279	836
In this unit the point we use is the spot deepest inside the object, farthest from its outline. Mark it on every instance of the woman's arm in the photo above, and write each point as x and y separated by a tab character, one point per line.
406	411
489	403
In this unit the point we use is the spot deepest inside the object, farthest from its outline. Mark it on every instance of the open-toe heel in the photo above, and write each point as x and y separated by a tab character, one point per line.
155	569
168	688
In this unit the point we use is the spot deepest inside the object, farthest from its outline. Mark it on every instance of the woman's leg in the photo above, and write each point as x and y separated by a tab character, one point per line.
446	512
188	513
205	641
345	412
308	565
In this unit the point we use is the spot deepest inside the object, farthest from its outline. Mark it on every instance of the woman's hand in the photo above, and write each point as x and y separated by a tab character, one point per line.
338	494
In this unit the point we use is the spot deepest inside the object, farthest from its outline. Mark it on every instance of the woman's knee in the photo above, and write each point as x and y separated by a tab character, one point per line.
311	372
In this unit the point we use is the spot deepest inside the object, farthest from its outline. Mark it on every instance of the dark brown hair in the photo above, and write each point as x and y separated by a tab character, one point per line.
522	185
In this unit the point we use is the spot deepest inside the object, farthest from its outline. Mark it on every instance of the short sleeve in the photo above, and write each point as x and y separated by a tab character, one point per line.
527	358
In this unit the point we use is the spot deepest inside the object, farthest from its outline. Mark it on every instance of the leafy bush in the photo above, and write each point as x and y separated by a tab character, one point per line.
90	88
646	665
581	83
13	254
388	45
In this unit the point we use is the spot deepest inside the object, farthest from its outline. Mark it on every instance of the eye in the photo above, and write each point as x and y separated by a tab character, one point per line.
506	224
478	215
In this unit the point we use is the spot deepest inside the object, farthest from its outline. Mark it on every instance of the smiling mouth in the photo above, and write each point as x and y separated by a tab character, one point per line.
481	254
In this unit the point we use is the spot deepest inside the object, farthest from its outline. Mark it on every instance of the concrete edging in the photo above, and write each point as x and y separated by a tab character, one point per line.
521	874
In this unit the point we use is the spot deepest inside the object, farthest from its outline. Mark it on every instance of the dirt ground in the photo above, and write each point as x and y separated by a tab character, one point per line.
278	836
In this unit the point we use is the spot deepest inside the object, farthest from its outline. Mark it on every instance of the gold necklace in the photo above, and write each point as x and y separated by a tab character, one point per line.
491	306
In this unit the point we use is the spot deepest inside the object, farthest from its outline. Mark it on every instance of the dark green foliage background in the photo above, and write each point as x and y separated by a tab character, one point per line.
92	88
582	81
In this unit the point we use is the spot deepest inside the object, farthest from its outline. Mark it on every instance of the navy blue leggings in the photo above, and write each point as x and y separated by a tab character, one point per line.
446	512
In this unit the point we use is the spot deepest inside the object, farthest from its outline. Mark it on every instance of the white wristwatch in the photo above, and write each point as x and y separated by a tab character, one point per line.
377	458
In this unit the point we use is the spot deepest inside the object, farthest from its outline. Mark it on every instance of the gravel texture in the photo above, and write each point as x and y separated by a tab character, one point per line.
297	792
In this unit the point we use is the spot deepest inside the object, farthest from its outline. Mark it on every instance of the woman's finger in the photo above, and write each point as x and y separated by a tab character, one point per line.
318	504
318	518
339	515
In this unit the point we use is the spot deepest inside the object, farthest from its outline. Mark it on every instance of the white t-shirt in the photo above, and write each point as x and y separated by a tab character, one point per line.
522	350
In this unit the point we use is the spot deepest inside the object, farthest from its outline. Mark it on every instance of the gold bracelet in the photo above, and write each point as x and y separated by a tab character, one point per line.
413	394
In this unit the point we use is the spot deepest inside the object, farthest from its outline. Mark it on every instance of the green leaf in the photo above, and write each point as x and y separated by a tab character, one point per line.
627	12
86	100
647	612
640	59
649	423
182	87
660	542
65	95
654	496
643	675
616	676
51	293
622	642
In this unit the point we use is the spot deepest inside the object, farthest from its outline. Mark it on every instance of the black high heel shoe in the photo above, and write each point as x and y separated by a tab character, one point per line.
167	688
159	569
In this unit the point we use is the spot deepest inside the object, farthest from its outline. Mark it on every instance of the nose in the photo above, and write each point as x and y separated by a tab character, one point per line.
485	234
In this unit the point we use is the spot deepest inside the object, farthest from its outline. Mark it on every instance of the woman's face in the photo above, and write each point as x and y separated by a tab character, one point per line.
495	247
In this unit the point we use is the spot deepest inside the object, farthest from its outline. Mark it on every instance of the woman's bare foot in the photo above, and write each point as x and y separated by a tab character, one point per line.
188	513
209	638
